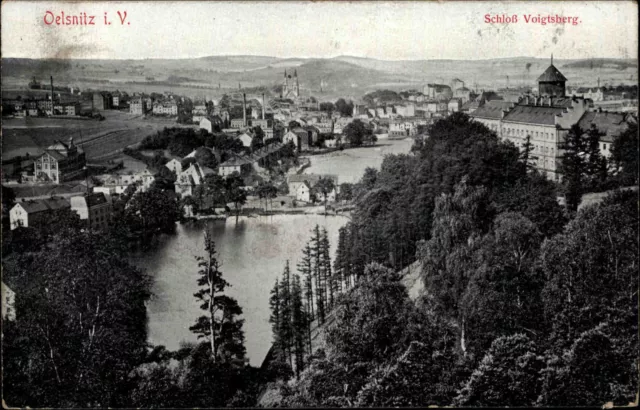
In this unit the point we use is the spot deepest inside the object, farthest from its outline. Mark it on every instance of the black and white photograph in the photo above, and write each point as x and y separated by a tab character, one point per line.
258	204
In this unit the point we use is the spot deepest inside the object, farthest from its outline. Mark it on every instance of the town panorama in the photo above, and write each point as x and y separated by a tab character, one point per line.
243	230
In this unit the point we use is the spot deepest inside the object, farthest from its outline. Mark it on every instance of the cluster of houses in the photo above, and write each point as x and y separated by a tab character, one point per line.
194	175
94	208
546	118
39	107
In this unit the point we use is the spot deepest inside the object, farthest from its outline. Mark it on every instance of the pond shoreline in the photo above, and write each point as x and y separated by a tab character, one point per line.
300	211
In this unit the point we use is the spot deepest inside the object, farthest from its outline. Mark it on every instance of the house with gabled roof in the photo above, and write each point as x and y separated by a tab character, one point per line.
60	162
237	163
192	177
174	165
608	124
34	213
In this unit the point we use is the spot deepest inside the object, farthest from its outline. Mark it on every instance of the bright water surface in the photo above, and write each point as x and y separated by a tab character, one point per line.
253	254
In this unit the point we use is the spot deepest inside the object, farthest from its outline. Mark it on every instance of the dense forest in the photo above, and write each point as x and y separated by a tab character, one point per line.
525	301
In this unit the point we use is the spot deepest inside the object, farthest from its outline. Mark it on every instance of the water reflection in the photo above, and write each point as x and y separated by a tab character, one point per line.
252	252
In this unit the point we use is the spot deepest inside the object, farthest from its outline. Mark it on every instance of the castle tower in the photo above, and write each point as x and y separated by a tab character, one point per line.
552	82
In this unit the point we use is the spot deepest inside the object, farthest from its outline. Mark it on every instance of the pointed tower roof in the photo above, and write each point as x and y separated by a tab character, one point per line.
285	73
552	74
295	72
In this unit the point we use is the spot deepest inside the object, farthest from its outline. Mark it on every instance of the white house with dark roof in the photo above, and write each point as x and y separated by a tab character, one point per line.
296	183
190	178
546	121
237	163
34	213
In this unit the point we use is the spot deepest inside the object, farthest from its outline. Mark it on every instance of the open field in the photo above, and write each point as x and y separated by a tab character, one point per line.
99	139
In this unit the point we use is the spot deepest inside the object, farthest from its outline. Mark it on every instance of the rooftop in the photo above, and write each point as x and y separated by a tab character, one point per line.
312	179
610	124
551	74
533	114
41	205
236	161
492	110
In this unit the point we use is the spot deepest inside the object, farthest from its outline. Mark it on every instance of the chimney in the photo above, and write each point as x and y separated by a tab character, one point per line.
263	106
51	90
244	109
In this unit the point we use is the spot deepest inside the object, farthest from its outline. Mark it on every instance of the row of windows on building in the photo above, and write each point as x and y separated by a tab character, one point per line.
540	149
535	134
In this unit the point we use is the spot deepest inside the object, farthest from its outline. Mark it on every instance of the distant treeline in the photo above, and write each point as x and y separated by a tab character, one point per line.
603	63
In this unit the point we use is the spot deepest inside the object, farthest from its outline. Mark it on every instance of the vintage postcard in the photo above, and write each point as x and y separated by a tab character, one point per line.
319	204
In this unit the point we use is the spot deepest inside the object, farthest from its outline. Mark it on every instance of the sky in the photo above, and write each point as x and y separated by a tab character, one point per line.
382	30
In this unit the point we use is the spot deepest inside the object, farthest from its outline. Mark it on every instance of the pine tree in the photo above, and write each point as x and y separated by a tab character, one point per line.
356	254
528	160
299	324
286	331
318	268
306	270
330	280
219	325
338	263
596	164
573	167
274	319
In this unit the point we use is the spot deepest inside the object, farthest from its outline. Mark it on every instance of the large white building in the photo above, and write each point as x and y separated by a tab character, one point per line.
60	162
544	119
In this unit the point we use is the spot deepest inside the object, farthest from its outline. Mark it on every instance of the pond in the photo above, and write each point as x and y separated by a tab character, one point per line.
253	254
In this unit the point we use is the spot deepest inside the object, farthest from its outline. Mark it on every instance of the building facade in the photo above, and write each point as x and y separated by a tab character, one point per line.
93	208
60	162
35	213
544	120
102	101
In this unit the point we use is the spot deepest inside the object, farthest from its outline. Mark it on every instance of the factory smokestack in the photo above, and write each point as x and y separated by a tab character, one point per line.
244	109
263	106
51	93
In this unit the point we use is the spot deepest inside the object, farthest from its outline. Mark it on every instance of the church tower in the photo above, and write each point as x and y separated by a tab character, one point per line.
552	82
297	89
285	86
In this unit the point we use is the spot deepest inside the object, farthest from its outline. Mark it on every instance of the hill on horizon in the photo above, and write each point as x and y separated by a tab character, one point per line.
339	76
